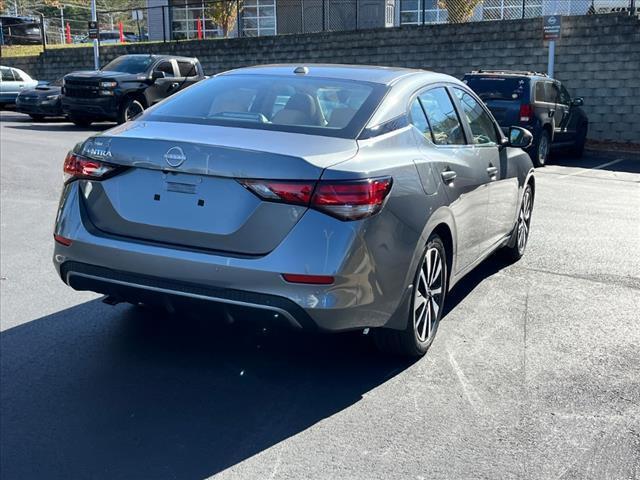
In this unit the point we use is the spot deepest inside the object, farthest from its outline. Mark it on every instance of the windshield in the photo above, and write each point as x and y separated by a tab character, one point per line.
496	88
316	106
129	64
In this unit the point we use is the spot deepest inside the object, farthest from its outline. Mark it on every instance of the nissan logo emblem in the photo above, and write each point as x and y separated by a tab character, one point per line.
175	157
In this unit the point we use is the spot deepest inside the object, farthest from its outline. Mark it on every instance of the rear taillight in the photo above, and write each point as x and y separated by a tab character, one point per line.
345	200
77	166
526	112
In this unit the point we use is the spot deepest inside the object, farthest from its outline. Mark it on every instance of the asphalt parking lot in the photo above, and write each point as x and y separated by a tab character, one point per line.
534	373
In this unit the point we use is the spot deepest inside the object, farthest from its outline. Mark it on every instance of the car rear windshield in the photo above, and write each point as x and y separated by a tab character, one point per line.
129	64
315	106
498	88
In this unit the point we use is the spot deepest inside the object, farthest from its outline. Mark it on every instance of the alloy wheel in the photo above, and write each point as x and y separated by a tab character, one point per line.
543	150
133	110
524	220
428	295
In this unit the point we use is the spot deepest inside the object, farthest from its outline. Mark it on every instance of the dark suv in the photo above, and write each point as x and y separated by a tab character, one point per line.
536	102
126	86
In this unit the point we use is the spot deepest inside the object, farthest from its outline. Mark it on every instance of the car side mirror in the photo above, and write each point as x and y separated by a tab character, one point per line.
520	137
157	74
577	102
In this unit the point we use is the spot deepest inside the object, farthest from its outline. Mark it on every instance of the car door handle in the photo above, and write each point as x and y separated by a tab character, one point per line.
448	176
174	85
492	171
552	113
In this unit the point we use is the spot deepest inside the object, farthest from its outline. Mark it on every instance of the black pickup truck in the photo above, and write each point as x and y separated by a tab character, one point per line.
126	86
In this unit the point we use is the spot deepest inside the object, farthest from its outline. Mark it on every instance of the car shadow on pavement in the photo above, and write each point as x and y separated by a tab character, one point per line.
117	392
611	161
61	126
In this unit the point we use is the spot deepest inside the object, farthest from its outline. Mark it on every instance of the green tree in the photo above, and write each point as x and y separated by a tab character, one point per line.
224	14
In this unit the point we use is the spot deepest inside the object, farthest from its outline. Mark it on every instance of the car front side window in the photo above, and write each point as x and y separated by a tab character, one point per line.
442	116
564	97
482	127
166	68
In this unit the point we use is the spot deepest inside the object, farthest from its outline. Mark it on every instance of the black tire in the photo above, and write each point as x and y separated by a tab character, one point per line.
81	121
130	108
415	339
581	139
37	118
540	151
514	250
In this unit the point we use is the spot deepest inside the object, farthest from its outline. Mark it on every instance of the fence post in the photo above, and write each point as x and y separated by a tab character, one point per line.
43	33
324	15
524	3
424	11
164	26
301	16
238	17
632	7
357	3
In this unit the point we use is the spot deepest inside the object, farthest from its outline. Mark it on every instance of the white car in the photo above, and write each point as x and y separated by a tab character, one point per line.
12	82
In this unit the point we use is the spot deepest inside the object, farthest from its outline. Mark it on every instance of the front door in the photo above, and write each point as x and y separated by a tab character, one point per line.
163	87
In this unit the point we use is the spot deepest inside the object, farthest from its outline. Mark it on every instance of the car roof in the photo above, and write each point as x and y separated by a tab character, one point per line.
508	73
365	73
159	57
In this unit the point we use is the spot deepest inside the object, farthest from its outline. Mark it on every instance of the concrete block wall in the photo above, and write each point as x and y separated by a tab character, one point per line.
598	57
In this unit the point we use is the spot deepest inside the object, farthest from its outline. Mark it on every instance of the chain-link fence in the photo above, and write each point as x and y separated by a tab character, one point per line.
177	20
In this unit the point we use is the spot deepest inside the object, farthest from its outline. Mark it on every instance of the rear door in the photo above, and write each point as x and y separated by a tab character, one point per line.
570	117
503	189
462	170
187	73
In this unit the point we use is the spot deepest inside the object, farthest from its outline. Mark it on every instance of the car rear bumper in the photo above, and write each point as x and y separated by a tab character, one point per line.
371	289
99	107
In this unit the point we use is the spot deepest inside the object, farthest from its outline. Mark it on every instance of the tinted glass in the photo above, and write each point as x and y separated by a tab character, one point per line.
546	92
7	75
165	67
564	97
482	127
497	88
419	120
442	116
329	107
129	64
187	69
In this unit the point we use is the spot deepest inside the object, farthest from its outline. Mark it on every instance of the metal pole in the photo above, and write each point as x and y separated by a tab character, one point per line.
632	7
301	16
356	14
524	3
552	58
62	24
164	25
96	48
42	33
324	15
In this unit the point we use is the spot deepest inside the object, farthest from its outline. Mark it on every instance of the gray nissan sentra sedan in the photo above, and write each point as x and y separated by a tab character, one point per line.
334	197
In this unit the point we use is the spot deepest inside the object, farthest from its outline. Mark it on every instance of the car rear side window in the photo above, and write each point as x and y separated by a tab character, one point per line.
482	127
442	117
546	92
320	106
419	120
187	69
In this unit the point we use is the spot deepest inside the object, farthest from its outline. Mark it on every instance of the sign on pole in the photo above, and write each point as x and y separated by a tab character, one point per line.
551	30
551	27
93	30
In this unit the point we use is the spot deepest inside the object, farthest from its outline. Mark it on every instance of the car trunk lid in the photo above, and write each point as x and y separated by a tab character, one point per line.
186	193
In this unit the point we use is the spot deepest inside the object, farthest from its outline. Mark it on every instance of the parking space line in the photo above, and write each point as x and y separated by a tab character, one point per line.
597	167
